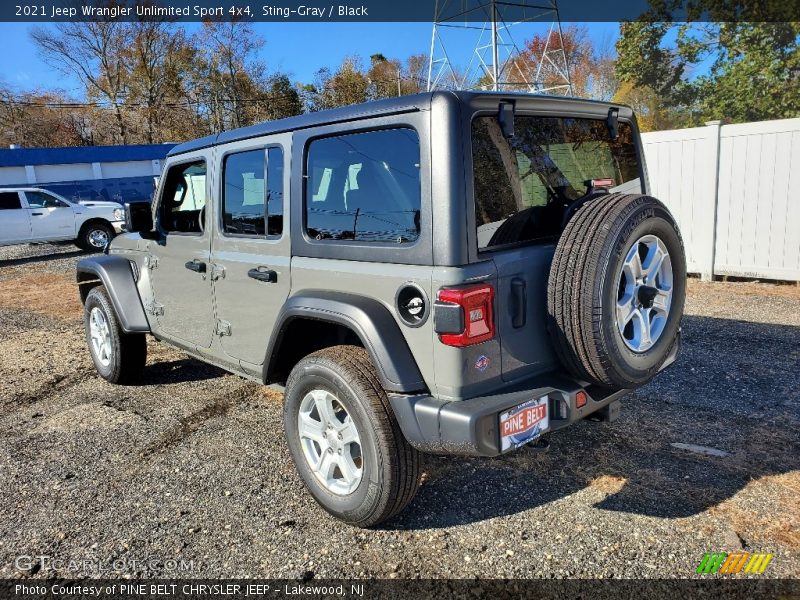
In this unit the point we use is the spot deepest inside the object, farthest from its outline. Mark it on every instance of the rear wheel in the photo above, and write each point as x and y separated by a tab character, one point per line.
344	439
119	357
616	290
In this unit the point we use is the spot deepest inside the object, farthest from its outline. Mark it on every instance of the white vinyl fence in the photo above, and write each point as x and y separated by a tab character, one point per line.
735	192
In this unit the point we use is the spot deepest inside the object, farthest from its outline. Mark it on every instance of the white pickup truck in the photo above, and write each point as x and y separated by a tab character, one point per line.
37	215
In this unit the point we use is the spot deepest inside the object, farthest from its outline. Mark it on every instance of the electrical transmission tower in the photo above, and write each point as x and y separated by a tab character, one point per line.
492	30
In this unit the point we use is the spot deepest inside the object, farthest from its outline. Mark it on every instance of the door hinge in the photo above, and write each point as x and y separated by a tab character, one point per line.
155	309
217	272
223	328
150	261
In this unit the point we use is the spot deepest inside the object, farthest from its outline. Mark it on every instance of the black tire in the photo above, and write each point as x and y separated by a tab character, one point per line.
91	233
390	466
128	351
584	287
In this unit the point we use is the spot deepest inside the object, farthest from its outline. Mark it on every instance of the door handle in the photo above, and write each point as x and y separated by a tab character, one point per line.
263	274
197	266
518	302
37	214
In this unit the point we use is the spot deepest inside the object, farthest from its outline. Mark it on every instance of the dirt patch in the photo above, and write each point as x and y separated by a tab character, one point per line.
744	288
610	484
51	294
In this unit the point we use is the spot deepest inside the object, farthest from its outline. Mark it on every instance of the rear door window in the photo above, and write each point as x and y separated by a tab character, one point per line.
251	204
524	184
364	187
9	201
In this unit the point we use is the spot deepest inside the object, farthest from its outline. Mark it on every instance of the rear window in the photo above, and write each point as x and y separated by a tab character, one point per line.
9	200
364	187
523	184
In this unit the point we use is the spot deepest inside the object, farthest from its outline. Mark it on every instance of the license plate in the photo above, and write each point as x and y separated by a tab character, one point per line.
523	423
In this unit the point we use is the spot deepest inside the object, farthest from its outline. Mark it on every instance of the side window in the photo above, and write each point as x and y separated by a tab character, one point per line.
246	193
364	187
9	201
243	197
42	200
183	198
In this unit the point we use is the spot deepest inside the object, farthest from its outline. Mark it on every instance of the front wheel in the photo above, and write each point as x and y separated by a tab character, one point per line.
344	439
94	237
119	357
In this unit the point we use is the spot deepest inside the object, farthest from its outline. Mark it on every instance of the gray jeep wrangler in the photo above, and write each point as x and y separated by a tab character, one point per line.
448	272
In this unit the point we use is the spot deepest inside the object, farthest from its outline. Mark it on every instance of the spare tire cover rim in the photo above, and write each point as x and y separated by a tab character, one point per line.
644	295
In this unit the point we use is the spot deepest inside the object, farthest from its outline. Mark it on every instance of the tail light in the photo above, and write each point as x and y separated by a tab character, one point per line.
473	312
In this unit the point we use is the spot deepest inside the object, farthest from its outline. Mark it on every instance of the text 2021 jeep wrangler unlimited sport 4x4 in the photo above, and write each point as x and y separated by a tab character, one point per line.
448	272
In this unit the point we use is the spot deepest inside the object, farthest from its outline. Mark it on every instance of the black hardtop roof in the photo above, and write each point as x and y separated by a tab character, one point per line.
387	106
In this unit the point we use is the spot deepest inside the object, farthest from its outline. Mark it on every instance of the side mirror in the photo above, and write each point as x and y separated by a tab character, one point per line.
138	217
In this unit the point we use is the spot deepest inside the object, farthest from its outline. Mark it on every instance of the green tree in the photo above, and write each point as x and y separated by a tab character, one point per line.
754	71
755	74
282	99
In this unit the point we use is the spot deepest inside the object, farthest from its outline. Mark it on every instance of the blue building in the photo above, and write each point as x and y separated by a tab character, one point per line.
119	173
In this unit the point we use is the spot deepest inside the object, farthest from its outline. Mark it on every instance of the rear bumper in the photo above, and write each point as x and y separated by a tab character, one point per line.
471	427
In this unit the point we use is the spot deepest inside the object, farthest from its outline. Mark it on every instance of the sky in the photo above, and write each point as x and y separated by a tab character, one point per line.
298	49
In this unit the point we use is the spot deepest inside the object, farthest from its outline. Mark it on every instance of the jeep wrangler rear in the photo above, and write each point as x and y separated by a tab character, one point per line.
450	272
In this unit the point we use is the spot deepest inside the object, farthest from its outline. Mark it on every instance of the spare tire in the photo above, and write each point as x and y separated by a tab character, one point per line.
616	290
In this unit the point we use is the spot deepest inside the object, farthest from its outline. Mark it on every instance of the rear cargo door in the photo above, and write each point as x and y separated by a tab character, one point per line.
524	186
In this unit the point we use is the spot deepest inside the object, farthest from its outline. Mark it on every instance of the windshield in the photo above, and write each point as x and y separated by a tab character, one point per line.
524	185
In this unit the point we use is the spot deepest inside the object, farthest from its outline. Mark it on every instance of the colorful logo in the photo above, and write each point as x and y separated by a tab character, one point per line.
482	363
735	562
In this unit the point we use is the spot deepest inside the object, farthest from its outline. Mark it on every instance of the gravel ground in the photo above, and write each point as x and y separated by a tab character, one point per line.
192	467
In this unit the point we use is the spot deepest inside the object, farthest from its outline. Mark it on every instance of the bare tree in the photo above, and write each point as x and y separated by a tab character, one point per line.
95	53
153	58
230	54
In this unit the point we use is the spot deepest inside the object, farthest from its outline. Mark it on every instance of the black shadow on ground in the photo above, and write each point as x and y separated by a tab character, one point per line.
732	388
30	260
179	371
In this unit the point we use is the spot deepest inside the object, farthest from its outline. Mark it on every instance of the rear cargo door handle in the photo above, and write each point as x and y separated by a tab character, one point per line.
198	266
518	301
37	214
264	274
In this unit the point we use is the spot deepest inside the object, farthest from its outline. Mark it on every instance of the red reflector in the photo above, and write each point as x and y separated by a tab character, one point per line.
580	399
476	302
602	183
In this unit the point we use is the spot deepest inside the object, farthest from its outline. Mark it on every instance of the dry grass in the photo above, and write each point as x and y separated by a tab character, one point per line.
51	294
780	520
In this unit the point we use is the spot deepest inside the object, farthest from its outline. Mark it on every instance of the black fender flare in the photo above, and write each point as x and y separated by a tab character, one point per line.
116	275
368	319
